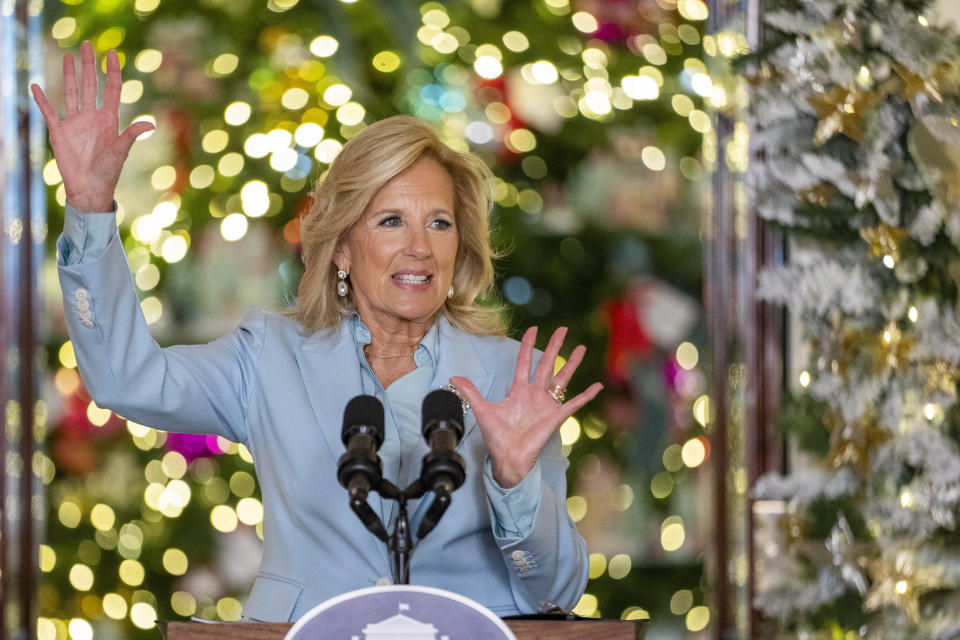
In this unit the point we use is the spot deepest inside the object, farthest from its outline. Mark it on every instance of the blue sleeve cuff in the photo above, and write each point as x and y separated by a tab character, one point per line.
514	509
85	235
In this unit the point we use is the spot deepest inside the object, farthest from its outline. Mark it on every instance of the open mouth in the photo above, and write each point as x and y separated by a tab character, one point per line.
409	278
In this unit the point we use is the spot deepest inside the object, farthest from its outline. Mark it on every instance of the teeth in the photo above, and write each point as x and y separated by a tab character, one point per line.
410	279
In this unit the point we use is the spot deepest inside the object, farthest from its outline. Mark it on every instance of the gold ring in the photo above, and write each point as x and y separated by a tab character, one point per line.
558	393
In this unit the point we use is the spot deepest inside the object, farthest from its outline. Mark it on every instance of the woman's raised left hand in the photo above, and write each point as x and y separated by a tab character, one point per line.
517	428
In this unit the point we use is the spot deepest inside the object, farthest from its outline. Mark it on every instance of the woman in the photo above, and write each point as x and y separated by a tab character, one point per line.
396	254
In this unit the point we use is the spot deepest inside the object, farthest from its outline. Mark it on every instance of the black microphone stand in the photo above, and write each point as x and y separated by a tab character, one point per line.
400	543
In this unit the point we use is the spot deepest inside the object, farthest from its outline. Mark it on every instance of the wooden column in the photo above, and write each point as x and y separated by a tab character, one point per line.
766	347
747	350
22	212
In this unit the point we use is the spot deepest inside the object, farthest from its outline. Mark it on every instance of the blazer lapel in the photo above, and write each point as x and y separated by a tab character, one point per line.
331	373
458	357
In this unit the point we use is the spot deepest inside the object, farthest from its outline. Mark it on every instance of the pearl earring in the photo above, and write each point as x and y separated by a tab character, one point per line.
450	292
342	287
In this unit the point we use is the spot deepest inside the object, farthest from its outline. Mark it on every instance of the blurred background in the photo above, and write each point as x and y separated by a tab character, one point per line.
592	114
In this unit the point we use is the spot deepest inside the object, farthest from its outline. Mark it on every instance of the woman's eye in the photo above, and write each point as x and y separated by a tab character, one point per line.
442	224
390	221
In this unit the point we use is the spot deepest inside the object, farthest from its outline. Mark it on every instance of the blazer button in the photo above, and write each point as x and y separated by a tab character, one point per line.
85	315
517	555
384	582
88	324
80	294
83	304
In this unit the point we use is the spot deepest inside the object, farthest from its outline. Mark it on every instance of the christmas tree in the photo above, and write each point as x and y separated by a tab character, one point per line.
568	105
856	105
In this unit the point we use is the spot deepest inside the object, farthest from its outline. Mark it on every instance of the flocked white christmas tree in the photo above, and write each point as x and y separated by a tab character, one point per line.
856	105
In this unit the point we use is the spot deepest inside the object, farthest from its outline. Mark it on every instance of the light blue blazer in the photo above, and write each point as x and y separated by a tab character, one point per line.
282	392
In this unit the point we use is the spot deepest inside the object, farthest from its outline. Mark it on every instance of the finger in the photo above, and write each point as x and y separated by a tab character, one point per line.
45	108
577	402
111	94
524	358
88	76
468	390
546	365
131	133
70	96
562	379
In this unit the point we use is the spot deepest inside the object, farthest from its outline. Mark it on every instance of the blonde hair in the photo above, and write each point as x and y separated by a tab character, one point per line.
367	162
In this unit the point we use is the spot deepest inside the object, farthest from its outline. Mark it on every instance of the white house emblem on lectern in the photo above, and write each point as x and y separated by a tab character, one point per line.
400	627
399	612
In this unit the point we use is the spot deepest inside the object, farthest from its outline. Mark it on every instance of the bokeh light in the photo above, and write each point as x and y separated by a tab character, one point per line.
143	615
148	60
81	577
323	46
488	67
687	355
570	431
233	227
698	618
80	629
175	561
587	606
337	94
237	113
672	533
694	452
386	61
576	507
701	410
681	602
598	565
114	606
223	518
619	566
183	603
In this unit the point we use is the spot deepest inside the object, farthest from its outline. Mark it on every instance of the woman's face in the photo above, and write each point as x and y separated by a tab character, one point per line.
400	254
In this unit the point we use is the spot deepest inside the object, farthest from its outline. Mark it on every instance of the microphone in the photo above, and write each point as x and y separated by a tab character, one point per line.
359	468
443	470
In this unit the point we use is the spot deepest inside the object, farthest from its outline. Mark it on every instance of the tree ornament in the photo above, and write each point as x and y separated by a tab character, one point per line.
892	350
845	555
938	162
852	442
919	90
885	240
940	377
875	186
821	194
841	110
897	581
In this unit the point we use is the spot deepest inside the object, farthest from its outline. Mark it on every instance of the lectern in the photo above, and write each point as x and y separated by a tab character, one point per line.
523	629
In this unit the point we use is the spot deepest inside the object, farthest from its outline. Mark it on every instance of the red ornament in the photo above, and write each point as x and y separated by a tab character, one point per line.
628	340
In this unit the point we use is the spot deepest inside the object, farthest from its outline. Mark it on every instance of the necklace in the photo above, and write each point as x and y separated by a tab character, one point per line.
370	356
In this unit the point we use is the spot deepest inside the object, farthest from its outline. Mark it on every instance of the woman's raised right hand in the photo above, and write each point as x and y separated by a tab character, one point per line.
89	151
